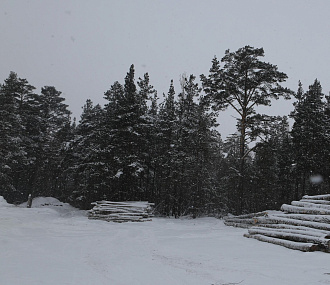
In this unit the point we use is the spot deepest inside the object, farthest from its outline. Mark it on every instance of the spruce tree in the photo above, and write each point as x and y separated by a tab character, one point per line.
166	142
12	153
55	134
125	115
148	121
22	126
272	179
86	164
310	139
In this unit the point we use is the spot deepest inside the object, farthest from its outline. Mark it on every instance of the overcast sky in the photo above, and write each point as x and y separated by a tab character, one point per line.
81	47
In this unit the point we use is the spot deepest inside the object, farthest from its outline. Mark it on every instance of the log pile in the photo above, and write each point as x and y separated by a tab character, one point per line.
121	211
304	225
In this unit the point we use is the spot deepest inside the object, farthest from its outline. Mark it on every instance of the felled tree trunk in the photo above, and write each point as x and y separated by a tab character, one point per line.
294	227
288	244
292	236
304	210
310	205
121	211
304	217
29	202
287	229
318	197
304	225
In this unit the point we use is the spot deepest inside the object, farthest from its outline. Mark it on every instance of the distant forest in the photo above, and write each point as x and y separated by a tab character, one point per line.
167	150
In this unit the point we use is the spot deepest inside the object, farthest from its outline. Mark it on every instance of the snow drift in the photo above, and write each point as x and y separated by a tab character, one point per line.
53	244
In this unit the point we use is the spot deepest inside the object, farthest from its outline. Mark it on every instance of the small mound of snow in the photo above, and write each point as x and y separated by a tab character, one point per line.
3	202
39	202
53	203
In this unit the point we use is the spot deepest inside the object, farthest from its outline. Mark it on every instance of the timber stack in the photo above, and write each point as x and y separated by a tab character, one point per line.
304	225
132	211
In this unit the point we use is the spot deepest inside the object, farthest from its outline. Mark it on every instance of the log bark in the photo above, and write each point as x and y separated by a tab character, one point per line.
322	242
303	210
288	244
324	202
288	221
304	217
119	220
245	216
141	204
121	211
237	225
305	225
296	230
310	205
251	221
318	197
292	227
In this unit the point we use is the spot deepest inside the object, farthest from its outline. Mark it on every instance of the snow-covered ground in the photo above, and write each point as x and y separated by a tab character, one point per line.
53	243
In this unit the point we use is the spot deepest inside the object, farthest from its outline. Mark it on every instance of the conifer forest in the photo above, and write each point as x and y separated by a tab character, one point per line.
165	148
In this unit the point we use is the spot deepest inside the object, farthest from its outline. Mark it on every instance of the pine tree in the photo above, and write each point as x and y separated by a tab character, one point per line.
310	139
21	141
29	111
272	167
243	83
12	153
165	168
56	132
203	147
187	145
148	121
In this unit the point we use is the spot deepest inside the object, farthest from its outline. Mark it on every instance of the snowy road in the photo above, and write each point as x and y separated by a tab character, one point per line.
59	245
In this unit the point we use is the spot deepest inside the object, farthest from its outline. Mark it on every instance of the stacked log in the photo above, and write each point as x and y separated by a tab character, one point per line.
120	212
304	225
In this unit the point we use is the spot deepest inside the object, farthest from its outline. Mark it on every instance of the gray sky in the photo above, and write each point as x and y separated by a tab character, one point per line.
81	47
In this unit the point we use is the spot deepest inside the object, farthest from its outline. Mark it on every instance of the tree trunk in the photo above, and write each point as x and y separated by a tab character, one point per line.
304	210
292	235
121	211
325	197
288	244
324	202
241	186
305	225
29	202
308	204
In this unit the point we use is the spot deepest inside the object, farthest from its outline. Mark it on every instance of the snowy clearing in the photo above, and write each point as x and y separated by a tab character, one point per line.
53	243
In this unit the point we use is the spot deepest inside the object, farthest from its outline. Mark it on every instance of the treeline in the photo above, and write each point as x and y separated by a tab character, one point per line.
168	150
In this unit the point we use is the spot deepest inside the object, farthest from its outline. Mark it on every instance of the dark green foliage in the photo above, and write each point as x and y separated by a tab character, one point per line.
310	136
188	146
34	131
12	152
243	83
169	153
272	168
126	112
85	164
55	135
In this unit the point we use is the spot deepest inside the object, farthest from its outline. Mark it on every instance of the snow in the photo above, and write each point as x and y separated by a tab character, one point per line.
53	243
316	179
3	202
119	173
